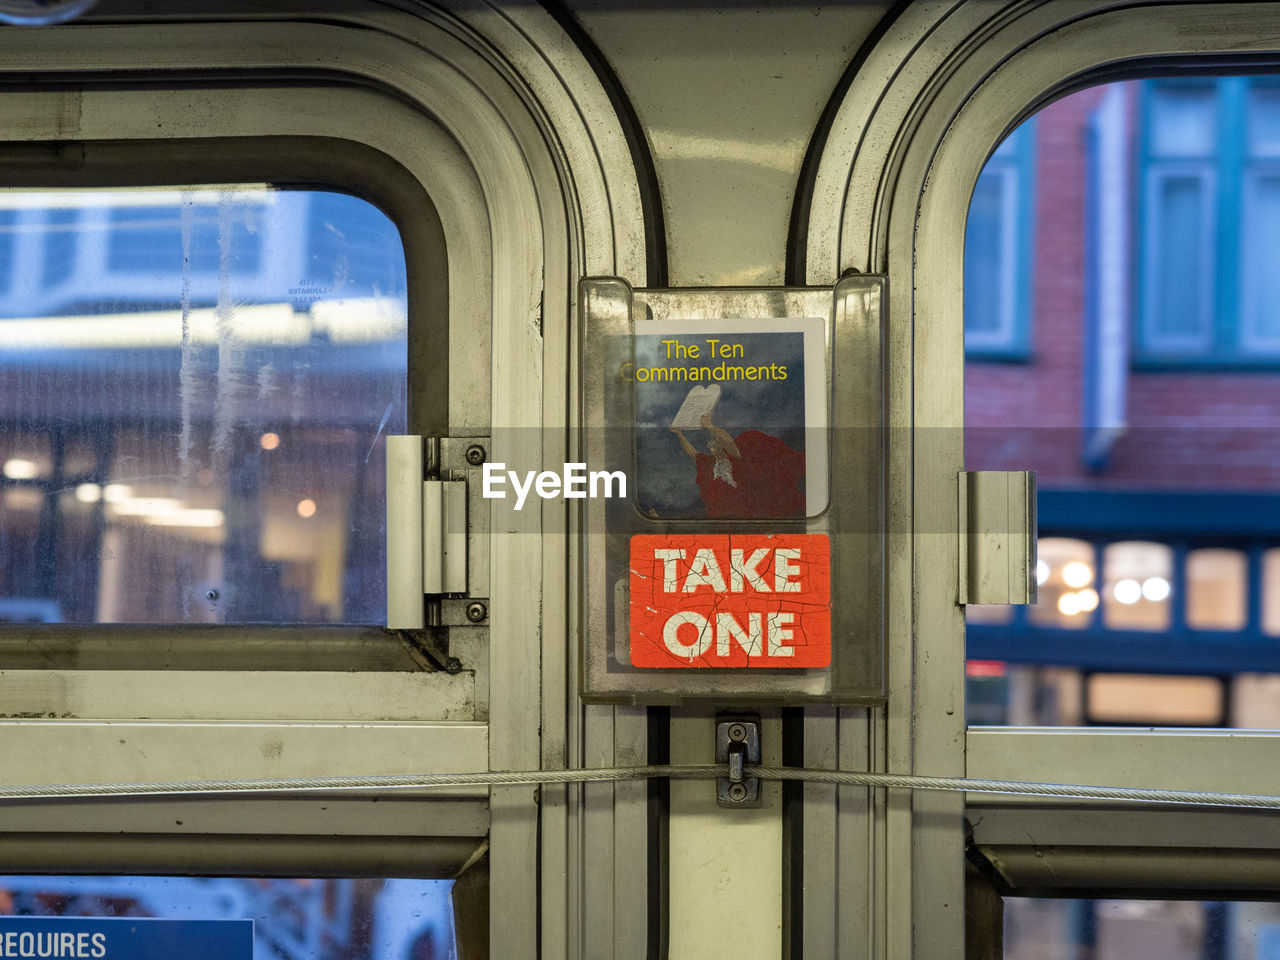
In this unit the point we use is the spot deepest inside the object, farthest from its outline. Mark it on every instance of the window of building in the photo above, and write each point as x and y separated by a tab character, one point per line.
1271	592
1137	586
194	394
1217	585
1210	219
998	252
1165	610
1067	593
1127	698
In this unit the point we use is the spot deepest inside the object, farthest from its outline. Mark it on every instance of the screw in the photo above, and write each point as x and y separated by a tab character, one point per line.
475	454
737	732
476	611
212	594
737	792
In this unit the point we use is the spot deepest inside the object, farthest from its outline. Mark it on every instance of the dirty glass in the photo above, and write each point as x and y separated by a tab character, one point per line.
1036	929
195	385
294	919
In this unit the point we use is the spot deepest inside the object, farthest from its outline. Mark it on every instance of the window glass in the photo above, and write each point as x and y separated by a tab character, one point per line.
1067	594
1137	586
998	693
8	220
1271	592
985	304
194	392
294	919
1259	285
1148	407
1179	281
1264	121
1144	699
1183	120
998	251
1217	582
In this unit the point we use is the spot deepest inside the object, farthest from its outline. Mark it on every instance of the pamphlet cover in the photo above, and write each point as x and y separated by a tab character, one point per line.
730	419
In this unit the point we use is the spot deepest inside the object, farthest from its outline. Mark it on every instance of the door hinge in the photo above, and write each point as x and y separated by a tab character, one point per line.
997	537
437	554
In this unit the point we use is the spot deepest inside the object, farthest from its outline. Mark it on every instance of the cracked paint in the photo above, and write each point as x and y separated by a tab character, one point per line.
730	600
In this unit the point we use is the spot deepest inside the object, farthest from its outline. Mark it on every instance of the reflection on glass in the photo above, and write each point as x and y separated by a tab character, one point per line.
1260	316
1137	586
1067	589
1217	584
1261	221
188	370
294	919
1052	929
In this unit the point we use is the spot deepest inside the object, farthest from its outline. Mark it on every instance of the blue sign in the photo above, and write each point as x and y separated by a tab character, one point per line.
124	938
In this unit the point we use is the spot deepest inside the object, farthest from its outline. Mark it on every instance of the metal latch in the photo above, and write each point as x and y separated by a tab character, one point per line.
429	519
737	744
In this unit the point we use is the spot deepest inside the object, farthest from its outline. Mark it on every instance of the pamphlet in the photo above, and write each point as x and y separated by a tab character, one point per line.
730	418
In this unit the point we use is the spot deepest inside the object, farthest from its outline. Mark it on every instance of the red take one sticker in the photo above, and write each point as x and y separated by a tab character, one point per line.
731	600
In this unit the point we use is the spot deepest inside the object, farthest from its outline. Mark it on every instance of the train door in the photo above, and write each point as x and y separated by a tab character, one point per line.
342	227
916	201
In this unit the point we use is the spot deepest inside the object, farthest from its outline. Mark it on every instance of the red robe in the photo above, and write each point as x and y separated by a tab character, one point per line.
769	478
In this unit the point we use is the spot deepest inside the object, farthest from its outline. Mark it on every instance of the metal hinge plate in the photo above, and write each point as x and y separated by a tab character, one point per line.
436	534
997	537
737	744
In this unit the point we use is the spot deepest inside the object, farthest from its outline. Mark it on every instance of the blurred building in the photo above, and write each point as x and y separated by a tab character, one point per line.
1123	340
194	383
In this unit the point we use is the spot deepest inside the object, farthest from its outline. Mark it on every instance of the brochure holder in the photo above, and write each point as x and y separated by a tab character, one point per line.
745	562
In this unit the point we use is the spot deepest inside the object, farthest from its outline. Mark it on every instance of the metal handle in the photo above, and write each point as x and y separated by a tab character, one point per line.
405	608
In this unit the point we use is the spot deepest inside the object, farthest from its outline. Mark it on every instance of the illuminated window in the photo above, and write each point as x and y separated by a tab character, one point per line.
1217	584
1068	588
1142	698
1271	592
1137	586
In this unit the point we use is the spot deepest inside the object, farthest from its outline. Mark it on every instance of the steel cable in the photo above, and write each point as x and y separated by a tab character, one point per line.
681	772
